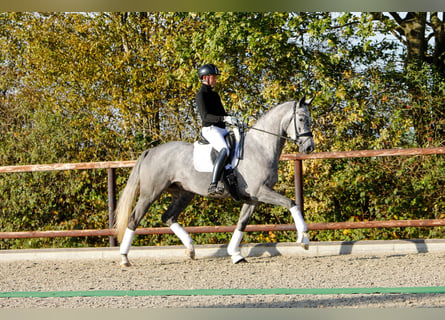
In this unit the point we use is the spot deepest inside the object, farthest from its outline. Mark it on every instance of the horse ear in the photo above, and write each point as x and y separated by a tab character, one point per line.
302	100
308	102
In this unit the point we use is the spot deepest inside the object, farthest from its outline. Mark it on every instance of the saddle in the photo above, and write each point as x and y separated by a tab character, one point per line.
230	140
204	156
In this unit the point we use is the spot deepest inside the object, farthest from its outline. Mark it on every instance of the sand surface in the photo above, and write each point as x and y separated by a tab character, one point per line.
340	271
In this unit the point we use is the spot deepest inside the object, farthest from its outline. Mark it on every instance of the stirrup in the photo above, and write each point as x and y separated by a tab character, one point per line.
215	190
232	183
231	178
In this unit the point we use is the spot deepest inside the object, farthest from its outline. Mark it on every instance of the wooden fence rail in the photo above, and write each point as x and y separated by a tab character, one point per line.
222	229
111	166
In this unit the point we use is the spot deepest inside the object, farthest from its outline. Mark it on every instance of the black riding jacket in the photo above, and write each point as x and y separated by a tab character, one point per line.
210	107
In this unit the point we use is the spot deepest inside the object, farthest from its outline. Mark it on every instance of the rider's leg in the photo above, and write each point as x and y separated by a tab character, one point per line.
217	171
215	136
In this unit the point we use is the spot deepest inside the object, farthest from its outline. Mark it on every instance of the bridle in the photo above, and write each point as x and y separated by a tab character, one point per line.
294	117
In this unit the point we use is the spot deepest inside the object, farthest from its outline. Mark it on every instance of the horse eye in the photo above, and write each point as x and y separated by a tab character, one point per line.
301	119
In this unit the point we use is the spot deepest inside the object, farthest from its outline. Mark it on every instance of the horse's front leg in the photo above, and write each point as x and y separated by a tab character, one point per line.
233	249
268	195
302	235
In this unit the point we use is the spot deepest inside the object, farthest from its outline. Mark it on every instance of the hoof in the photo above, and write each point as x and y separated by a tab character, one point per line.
124	262
304	241
190	253
237	258
243	260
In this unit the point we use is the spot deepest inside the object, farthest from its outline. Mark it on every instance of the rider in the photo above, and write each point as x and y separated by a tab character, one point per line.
213	118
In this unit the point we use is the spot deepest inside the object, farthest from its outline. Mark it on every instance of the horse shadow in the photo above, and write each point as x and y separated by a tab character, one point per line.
252	250
347	247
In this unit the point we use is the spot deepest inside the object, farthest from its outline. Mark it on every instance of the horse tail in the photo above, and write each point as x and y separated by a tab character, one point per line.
127	198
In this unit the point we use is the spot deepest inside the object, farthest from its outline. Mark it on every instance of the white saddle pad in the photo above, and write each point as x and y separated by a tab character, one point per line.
202	159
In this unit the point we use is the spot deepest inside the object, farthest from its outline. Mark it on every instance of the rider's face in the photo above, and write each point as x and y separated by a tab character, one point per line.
211	79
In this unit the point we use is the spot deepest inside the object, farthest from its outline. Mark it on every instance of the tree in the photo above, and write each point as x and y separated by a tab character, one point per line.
423	35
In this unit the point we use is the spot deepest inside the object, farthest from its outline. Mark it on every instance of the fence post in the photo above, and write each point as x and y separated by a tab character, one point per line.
298	171
111	202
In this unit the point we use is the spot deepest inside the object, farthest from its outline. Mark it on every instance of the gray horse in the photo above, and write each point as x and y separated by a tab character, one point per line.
169	167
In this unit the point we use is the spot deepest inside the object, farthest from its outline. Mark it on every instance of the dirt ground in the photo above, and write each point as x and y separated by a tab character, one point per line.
339	271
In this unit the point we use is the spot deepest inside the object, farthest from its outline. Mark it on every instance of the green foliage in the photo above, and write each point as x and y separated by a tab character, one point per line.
106	86
377	189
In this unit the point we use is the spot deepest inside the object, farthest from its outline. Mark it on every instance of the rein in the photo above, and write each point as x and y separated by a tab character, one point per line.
298	135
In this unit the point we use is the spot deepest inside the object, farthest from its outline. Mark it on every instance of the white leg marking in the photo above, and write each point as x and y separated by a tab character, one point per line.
234	243
185	239
126	241
298	218
125	247
303	237
233	248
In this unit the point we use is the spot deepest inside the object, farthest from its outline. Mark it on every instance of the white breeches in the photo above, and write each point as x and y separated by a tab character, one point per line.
215	136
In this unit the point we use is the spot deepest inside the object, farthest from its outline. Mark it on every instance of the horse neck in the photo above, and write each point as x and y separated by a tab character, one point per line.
273	122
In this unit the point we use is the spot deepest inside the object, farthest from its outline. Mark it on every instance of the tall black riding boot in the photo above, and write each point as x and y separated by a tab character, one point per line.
217	171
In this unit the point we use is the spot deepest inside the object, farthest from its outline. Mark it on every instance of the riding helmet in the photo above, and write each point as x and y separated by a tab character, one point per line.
208	69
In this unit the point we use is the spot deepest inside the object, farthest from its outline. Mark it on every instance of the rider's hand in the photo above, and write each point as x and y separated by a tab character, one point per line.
230	120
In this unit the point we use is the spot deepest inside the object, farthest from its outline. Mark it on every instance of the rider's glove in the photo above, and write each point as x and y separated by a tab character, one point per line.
230	120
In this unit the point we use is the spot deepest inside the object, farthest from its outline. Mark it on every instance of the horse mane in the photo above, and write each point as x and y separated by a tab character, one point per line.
264	120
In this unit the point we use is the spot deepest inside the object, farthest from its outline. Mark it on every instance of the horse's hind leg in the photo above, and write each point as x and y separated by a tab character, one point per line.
233	249
180	200
136	216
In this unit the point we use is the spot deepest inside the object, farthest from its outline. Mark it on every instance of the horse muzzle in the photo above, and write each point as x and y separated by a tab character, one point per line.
307	145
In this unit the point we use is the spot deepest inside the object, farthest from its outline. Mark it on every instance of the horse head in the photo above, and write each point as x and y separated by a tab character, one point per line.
299	128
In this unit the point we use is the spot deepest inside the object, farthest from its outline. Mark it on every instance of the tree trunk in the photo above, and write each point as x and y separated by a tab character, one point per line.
413	26
425	112
439	42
